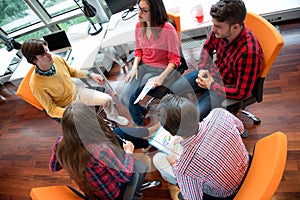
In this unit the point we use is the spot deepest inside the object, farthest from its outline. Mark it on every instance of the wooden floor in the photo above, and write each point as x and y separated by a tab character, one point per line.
27	134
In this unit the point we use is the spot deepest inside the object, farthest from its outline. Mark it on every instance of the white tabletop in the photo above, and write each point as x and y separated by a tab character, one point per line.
83	55
124	31
6	57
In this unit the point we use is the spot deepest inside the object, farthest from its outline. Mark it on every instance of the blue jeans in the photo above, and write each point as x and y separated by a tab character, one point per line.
145	72
208	99
135	135
136	110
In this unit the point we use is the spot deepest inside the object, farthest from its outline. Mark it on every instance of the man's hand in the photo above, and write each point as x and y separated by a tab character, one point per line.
97	77
171	158
204	79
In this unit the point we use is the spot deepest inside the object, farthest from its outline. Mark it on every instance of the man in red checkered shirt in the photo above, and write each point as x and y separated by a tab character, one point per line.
230	60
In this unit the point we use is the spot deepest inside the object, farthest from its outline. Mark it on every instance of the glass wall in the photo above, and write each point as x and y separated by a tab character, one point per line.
16	15
23	19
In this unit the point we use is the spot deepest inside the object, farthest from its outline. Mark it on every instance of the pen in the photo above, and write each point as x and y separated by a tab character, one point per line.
124	141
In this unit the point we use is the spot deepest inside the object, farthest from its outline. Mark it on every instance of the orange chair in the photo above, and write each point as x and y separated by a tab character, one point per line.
176	20
266	169
25	92
53	192
271	43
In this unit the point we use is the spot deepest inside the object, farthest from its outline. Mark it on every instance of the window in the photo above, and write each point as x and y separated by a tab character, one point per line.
57	7
17	15
24	19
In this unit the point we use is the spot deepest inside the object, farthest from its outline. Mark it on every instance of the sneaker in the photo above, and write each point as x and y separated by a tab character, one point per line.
120	120
150	184
110	124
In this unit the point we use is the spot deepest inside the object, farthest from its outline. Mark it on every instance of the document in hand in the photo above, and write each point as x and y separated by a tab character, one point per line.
148	86
166	142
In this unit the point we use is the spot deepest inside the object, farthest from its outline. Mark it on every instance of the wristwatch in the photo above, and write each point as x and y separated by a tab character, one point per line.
88	74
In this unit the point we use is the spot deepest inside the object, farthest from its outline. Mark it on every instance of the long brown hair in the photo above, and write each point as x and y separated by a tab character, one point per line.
82	127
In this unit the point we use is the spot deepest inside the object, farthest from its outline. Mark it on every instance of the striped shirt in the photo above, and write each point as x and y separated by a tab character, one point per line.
106	171
237	64
215	160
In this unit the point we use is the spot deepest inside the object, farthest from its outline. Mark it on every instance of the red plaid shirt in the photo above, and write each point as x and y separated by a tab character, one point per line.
237	64
105	172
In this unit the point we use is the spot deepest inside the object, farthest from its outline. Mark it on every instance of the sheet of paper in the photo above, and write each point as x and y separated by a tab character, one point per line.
148	86
167	143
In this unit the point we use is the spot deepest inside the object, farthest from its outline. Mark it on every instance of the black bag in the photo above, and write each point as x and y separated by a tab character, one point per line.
88	9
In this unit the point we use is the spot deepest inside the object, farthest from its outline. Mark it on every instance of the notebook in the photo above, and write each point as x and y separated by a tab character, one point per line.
59	44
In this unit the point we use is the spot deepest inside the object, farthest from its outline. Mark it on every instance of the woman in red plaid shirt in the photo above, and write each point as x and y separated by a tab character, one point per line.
92	155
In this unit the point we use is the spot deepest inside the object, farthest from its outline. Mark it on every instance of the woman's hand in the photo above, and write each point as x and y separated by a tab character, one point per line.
97	77
158	82
132	74
128	147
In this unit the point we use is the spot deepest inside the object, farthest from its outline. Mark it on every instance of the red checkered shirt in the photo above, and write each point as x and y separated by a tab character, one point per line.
106	172
237	64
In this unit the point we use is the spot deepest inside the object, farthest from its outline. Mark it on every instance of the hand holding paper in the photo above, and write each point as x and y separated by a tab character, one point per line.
148	86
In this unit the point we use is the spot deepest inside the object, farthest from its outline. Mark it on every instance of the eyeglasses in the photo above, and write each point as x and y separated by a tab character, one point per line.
143	10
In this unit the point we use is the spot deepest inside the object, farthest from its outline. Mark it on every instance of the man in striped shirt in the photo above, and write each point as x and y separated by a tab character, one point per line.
214	159
230	60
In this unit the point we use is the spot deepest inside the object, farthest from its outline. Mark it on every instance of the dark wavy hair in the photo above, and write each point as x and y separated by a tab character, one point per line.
230	11
178	115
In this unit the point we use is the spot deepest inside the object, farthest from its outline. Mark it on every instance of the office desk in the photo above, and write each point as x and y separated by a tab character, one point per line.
123	33
84	51
83	55
6	58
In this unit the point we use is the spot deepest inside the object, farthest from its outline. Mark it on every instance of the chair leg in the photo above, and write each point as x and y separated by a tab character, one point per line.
256	120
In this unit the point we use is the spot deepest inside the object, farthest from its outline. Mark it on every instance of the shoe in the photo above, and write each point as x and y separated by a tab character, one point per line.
245	134
119	119
110	124
150	184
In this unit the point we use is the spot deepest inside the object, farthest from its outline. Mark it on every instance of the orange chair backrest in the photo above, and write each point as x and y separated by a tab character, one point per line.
176	19
25	92
53	193
266	169
269	38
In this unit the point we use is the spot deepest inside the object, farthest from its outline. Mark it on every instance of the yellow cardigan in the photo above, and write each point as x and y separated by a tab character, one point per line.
58	91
